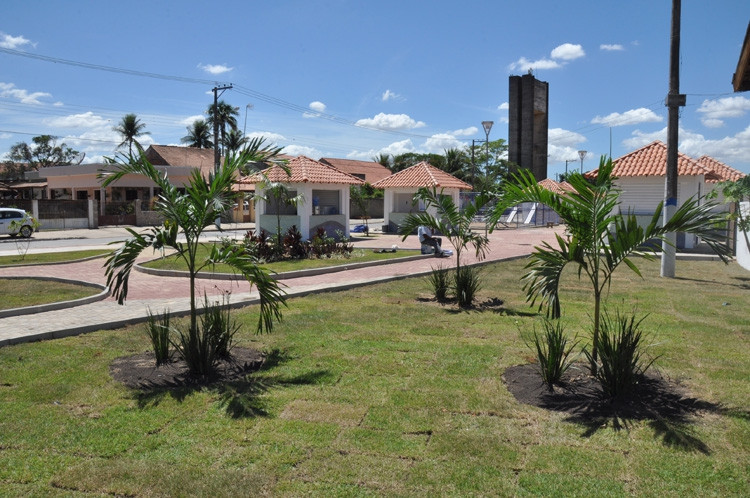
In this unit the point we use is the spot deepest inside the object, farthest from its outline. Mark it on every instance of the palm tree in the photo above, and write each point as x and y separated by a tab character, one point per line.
188	214
199	135
226	115
234	141
279	195
453	223
456	162
599	238
130	128
383	160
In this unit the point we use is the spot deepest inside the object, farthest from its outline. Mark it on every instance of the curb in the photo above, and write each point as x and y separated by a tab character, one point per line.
60	305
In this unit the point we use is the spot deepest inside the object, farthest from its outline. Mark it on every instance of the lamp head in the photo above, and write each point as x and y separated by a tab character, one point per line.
487	125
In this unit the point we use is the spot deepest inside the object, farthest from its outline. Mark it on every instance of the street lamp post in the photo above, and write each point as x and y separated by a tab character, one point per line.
581	154
487	125
244	128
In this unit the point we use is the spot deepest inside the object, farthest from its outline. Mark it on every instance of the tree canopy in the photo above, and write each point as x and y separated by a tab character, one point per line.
44	152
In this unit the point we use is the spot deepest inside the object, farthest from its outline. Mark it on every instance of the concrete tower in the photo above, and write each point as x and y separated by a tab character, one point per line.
528	123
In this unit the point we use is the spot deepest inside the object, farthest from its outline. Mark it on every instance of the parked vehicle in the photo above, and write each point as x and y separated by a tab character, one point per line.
17	222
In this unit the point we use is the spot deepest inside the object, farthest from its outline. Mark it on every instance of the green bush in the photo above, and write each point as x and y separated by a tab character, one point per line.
552	350
466	285
157	329
439	279
210	340
622	354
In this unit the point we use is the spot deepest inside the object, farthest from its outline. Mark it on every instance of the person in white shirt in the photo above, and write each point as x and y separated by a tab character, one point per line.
426	237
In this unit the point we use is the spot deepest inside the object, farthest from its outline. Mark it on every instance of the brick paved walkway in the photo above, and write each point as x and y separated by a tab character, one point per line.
158	292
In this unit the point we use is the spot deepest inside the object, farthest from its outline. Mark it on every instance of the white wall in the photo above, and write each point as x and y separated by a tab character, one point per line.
743	252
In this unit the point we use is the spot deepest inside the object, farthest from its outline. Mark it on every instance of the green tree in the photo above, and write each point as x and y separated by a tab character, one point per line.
489	168
199	135
360	196
599	239
44	152
189	210
457	163
130	128
226	115
738	191
234	141
383	160
450	221
278	195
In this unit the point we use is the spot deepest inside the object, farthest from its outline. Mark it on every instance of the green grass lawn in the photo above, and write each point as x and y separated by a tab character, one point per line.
378	391
51	257
357	256
18	293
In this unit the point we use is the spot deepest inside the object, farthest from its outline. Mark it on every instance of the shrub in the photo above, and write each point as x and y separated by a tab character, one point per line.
552	351
210	340
467	284
157	329
439	279
622	360
294	245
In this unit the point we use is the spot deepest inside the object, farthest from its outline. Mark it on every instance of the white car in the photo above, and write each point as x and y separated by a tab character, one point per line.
16	221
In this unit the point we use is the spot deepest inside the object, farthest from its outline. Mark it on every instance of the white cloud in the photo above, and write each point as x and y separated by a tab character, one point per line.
9	90
8	41
564	138
638	138
302	150
465	132
524	65
215	68
729	107
85	120
616	47
390	122
568	52
503	107
389	95
396	148
631	117
317	106
440	142
269	136
712	122
188	121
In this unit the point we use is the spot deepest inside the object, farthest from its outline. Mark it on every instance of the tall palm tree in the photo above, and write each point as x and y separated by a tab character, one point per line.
226	115
130	128
199	135
234	141
600	238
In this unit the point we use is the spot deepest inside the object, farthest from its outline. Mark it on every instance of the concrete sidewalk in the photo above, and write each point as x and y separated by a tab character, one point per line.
157	293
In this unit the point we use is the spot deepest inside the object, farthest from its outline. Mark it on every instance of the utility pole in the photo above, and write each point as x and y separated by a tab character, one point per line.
674	101
217	156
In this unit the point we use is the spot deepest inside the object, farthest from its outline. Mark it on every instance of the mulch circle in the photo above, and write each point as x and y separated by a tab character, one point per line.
580	395
139	371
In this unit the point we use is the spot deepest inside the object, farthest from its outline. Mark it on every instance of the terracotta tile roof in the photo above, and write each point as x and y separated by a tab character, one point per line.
721	170
372	171
171	155
560	188
422	175
651	160
304	170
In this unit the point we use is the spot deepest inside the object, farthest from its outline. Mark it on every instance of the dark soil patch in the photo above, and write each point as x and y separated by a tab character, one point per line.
580	395
139	371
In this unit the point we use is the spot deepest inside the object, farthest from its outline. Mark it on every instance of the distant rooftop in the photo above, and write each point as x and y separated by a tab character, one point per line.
422	175
369	171
304	170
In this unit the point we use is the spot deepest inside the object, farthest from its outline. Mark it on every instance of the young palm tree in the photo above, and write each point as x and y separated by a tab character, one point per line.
453	223
226	115
199	135
279	195
130	128
599	238
189	214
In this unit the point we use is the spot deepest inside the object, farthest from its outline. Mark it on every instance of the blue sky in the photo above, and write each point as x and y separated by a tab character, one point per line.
353	79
